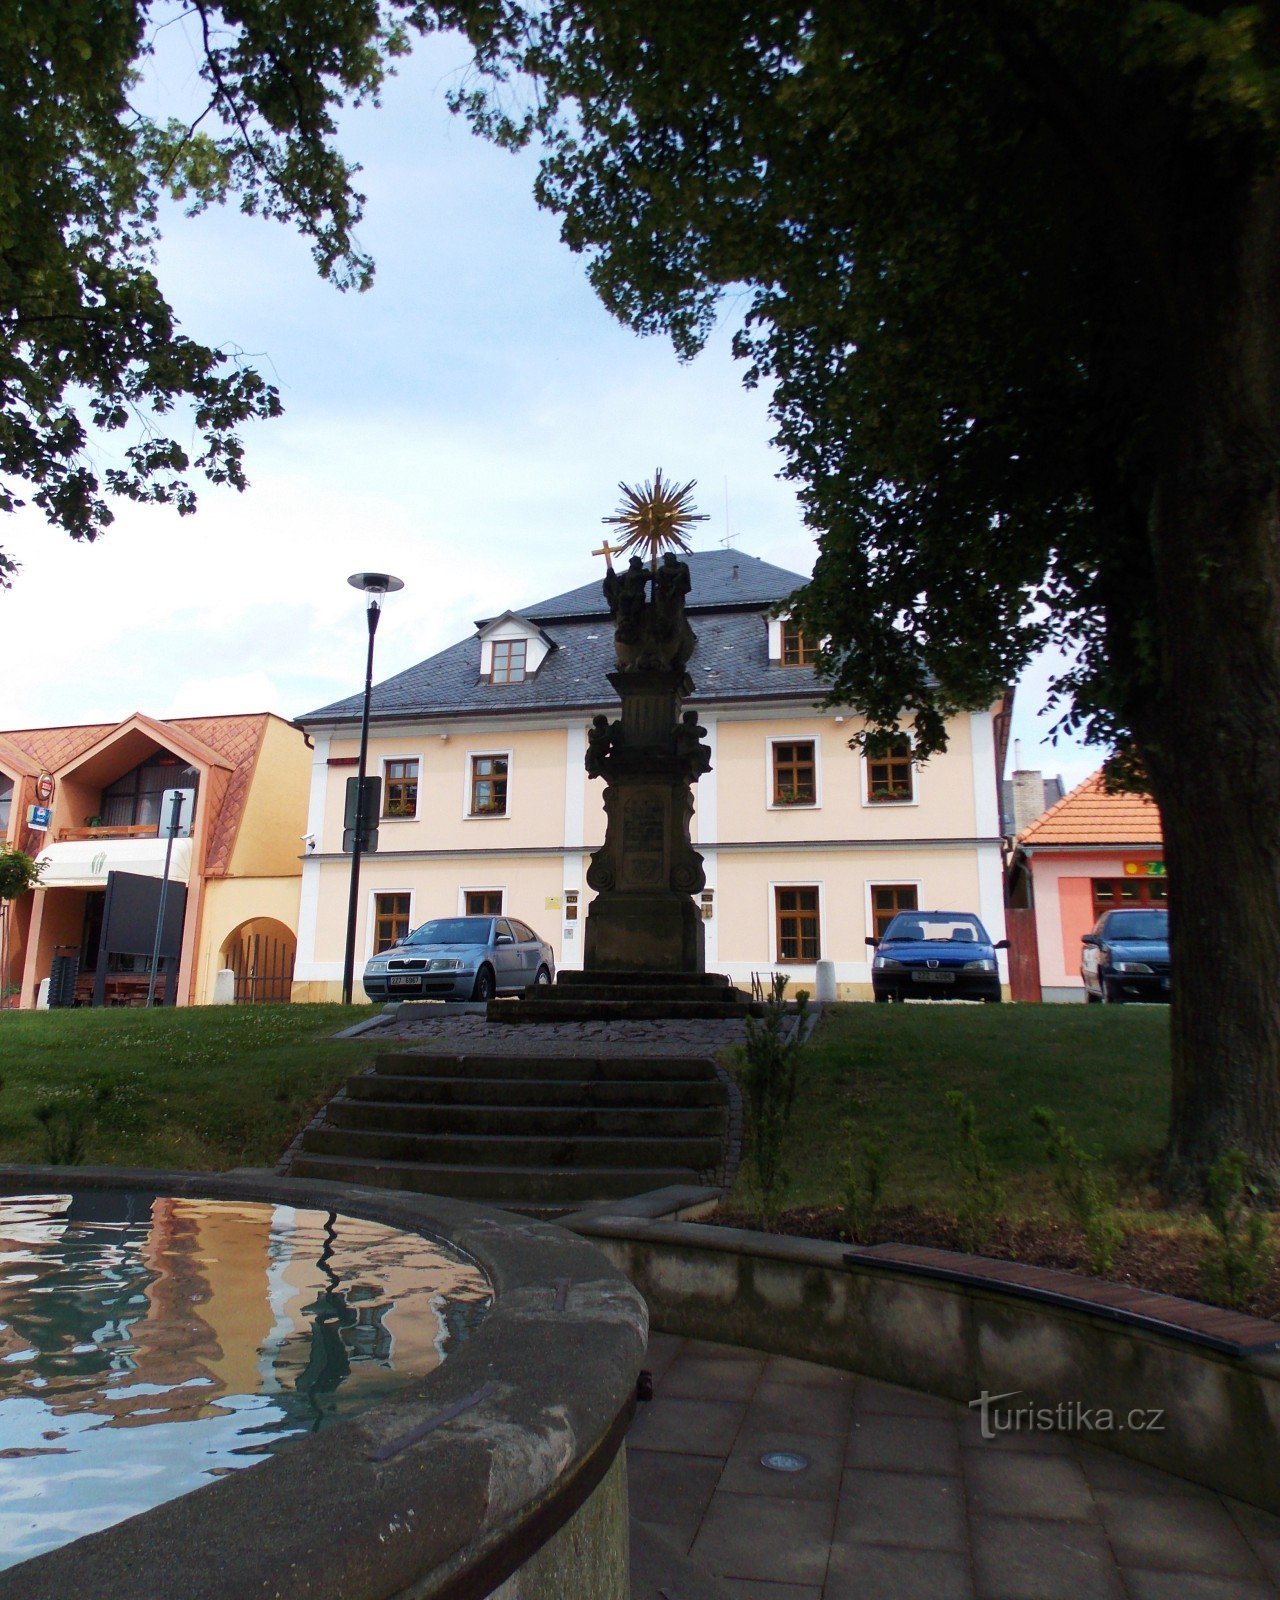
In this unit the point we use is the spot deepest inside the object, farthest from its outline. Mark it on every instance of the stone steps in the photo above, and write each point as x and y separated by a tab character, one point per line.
548	1133
638	1093
553	1188
556	1121
551	1006
513	1150
548	1068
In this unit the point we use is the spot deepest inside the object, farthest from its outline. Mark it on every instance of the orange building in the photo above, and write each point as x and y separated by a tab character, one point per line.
1091	852
86	802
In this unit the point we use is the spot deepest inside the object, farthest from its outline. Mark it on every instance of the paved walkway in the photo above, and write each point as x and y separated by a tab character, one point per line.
466	1028
904	1500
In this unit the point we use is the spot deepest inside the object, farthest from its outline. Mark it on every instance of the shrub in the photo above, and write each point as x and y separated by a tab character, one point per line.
982	1195
769	1080
1237	1261
69	1116
1089	1200
864	1191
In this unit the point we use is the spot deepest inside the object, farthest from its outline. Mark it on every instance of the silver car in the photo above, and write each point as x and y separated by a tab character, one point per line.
461	958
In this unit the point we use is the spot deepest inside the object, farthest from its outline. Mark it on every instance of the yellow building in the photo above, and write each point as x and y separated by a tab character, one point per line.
809	846
87	802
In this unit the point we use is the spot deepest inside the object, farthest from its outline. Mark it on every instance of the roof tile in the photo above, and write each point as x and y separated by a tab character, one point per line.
1091	814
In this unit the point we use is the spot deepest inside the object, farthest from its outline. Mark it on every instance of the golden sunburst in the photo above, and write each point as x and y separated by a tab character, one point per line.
655	517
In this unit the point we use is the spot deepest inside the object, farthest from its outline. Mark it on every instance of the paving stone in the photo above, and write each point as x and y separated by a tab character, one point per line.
889	1399
1255	1523
1193	1586
698	1377
672	1490
903	1444
911	1509
1018	1558
748	1589
820	1480
689	1427
1105	1469
1176	1534
1023	1485
758	1536
1038	1442
877	1572
1268	1552
802	1408
662	1351
786	1369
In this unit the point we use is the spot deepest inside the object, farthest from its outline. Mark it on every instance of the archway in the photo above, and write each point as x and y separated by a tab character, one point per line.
261	953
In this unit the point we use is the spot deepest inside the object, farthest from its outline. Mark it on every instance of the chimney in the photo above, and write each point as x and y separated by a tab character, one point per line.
1028	794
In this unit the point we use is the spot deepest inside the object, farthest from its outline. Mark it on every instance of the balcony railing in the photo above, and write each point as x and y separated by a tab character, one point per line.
111	830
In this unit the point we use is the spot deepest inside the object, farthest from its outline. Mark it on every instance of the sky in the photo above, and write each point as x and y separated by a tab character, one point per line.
463	424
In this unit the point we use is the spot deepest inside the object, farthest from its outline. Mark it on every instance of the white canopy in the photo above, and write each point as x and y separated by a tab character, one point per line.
85	863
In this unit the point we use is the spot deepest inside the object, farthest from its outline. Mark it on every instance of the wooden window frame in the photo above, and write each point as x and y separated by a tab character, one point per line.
878	919
513	665
389	780
379	917
901	756
488	911
1142	900
797	648
784	914
475	778
786	775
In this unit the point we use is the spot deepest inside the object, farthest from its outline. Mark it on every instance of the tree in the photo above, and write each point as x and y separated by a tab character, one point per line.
1012	269
89	345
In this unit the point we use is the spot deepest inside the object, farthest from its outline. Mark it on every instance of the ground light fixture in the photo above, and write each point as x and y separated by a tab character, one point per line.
376	587
784	1461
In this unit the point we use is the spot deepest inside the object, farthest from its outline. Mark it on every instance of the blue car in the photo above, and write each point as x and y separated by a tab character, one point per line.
936	955
1126	957
461	958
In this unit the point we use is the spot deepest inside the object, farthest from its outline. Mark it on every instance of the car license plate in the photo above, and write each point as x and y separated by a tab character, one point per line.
933	977
406	983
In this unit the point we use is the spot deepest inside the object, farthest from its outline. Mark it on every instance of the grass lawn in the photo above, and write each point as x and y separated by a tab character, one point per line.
202	1087
882	1072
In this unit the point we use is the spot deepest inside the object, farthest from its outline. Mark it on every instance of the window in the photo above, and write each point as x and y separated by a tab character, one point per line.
482	902
798	649
390	920
134	800
6	801
1110	894
797	924
890	774
508	661
795	773
489	786
399	788
887	899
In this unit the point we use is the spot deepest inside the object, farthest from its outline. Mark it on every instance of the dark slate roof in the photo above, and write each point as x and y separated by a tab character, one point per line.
730	662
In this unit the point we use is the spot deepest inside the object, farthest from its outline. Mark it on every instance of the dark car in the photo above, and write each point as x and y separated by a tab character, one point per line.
461	958
936	955
1126	957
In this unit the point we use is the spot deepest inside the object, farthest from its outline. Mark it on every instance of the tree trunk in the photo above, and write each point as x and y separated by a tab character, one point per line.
1211	739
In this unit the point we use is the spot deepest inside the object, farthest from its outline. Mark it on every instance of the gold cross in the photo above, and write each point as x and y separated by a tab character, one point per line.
608	551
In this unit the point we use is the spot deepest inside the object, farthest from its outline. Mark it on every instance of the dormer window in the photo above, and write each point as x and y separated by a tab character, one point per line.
509	658
6	801
133	801
798	649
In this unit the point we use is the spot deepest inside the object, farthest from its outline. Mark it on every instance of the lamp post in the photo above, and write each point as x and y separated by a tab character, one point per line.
376	586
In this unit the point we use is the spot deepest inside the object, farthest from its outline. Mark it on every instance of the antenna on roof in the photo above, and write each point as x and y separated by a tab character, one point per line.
729	534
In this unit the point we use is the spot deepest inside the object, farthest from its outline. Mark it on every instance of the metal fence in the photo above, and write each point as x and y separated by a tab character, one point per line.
263	965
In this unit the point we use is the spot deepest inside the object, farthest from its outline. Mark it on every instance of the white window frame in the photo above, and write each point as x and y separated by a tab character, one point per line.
869	926
891	805
386	761
486	752
775	960
371	920
774	739
481	888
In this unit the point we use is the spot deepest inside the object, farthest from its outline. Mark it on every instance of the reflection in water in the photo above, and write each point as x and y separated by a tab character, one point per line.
214	1331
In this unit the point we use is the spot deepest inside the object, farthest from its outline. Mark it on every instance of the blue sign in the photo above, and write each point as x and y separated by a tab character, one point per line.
39	817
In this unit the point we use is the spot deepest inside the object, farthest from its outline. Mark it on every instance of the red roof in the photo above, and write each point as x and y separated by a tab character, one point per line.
1091	814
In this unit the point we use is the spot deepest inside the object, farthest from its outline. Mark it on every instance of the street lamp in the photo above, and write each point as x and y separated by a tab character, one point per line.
376	586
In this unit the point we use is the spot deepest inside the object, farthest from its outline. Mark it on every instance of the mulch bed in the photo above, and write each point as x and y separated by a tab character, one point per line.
1148	1258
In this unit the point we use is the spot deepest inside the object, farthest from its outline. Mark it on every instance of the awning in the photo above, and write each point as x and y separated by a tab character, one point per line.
85	863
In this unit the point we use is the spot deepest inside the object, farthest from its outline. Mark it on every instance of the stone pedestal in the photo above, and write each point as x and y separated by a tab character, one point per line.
645	874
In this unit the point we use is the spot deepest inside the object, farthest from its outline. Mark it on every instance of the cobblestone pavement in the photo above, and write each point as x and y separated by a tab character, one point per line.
904	1500
473	1033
